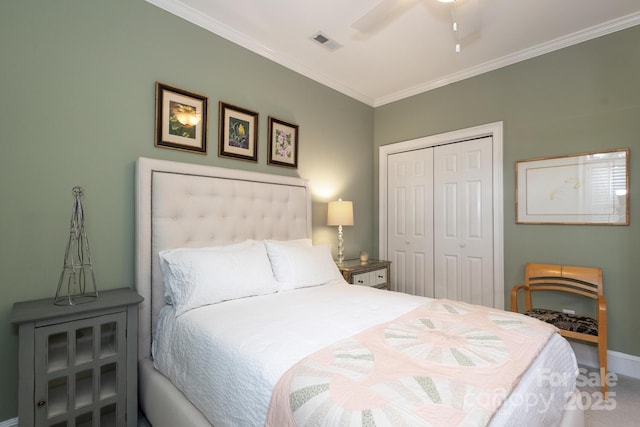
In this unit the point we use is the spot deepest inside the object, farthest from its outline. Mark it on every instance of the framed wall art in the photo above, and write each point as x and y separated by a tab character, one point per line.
588	188
238	133
283	143
181	119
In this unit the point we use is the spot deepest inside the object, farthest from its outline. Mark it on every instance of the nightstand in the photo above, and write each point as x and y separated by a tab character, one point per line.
374	272
78	364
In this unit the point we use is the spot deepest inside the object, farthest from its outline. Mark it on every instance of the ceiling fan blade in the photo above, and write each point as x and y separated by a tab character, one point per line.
381	15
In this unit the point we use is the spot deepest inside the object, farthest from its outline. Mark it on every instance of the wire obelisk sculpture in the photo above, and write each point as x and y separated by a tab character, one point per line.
77	282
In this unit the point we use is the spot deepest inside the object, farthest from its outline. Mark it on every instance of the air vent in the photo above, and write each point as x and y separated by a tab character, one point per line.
325	41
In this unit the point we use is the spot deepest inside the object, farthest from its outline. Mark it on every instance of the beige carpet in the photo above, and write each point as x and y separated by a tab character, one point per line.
622	409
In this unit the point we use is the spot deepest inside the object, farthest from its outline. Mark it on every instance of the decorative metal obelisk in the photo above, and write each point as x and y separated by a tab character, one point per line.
77	282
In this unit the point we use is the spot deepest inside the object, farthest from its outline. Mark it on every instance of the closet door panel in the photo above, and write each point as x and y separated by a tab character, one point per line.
463	222
424	285
410	219
399	282
446	286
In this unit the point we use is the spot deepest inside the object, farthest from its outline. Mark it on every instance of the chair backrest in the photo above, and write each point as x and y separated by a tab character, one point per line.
585	281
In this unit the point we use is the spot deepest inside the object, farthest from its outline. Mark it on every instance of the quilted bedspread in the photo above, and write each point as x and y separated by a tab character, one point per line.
444	363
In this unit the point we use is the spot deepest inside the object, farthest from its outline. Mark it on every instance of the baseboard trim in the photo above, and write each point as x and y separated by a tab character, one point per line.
13	422
620	363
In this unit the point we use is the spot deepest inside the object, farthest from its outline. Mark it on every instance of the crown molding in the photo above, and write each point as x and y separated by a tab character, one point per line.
190	14
194	16
553	45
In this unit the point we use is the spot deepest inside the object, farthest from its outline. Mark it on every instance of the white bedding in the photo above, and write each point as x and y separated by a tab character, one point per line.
226	358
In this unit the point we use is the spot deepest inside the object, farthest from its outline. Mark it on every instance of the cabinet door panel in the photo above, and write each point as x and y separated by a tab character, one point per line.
78	364
379	277
361	279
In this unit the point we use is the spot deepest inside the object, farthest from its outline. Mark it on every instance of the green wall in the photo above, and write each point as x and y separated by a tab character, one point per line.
579	99
77	82
77	108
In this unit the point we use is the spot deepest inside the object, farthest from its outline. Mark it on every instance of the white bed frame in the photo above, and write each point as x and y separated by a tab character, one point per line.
187	205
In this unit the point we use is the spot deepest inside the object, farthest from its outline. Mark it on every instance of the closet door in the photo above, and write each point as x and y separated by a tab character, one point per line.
463	222
410	221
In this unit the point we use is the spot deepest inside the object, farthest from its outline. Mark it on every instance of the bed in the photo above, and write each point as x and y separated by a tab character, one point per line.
289	350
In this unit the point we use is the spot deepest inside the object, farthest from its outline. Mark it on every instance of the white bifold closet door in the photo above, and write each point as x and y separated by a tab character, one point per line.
440	221
410	221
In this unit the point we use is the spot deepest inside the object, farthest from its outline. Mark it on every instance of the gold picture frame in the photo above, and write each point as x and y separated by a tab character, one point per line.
587	188
181	119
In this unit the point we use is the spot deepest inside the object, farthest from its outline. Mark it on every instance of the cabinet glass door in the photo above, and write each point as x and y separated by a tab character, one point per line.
80	369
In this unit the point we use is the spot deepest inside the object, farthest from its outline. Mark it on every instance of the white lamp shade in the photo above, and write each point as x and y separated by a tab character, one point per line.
340	213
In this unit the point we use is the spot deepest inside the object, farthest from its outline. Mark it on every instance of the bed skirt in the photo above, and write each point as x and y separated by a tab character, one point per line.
165	406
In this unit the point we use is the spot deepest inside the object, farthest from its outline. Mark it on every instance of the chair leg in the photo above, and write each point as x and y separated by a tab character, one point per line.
602	354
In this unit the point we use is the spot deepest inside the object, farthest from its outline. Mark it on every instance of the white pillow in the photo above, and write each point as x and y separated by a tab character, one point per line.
294	242
203	276
185	253
299	266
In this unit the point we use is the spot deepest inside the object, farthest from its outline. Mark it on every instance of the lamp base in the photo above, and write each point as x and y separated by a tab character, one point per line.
340	257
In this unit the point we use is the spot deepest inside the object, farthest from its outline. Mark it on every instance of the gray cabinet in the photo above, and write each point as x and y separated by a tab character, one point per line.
78	364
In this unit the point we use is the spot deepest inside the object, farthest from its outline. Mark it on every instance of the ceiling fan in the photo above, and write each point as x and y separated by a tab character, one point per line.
464	15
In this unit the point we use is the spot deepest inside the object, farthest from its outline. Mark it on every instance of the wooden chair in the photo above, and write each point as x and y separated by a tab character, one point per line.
585	281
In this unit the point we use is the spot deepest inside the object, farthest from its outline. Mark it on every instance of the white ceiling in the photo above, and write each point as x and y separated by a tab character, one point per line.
410	52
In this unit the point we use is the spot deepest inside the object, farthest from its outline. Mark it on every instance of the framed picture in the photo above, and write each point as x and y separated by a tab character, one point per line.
283	143
238	128
589	188
181	119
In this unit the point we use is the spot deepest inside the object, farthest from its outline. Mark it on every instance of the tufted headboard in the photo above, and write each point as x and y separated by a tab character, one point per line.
187	205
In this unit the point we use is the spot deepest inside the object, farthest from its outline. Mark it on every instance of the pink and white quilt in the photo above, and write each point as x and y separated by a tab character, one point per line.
444	363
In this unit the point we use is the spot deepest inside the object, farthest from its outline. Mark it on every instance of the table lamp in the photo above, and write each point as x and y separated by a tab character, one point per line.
340	213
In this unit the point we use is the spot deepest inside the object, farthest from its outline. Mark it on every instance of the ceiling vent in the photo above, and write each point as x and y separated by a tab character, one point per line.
324	41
